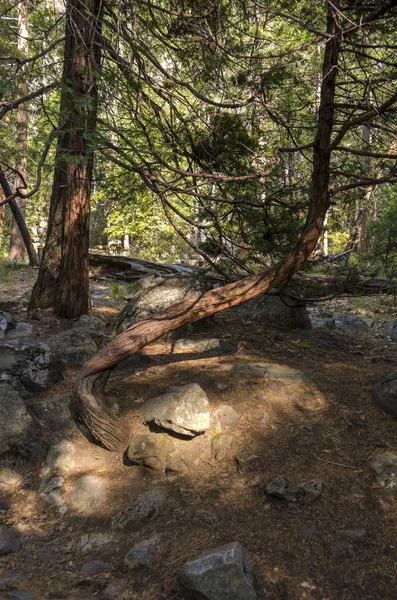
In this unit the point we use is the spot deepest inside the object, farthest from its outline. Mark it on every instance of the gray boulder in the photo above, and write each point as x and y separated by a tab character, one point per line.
8	541
213	346
7	322
18	432
183	409
225	417
391	329
323	323
151	450
30	363
87	494
141	554
301	493
74	346
385	468
154	293
283	311
59	459
350	323
224	573
145	508
385	393
21	330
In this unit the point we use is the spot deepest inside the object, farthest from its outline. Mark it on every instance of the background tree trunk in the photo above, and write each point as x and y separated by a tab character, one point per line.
63	278
109	429
17	246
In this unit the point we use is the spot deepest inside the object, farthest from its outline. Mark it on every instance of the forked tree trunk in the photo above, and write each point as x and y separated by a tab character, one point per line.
63	277
109	429
17	246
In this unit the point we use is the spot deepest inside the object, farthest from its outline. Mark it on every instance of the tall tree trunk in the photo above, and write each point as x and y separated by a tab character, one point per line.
2	212
17	246
63	277
366	164
106	427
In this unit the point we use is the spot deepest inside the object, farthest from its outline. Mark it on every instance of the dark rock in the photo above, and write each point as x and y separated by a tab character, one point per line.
151	450
154	293
18	432
385	467
72	347
354	535
87	494
323	324
224	573
221	444
8	541
30	362
183	409
269	371
385	393
289	313
7	322
9	583
204	518
222	386
94	567
355	420
225	417
301	493
342	551
350	323
145	508
391	330
55	415
21	330
91	541
141	554
214	346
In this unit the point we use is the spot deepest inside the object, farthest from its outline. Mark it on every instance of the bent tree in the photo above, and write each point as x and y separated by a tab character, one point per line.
337	119
111	431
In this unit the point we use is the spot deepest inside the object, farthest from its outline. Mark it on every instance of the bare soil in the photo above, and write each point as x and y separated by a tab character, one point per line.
326	429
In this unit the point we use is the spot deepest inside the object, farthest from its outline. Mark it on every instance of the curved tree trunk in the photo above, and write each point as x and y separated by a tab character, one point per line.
109	429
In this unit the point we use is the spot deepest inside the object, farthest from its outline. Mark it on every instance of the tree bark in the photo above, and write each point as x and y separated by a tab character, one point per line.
110	430
17	246
2	211
63	278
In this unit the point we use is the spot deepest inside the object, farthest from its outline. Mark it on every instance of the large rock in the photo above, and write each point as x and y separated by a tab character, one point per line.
141	554
154	293
224	573
391	329
282	311
87	494
73	346
30	363
183	409
212	346
8	541
18	432
385	393
145	508
350	323
151	450
7	322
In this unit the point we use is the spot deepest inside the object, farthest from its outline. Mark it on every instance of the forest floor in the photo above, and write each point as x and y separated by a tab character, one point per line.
326	428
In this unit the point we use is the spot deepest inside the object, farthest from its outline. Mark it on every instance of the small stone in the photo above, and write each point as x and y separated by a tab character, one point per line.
9	480
140	555
151	450
356	491
204	518
222	386
354	420
268	371
94	567
221	444
182	409
225	417
342	551
302	493
49	484
309	531
354	535
385	393
214	491
8	541
60	458
385	467
92	541
145	508
88	494
224	573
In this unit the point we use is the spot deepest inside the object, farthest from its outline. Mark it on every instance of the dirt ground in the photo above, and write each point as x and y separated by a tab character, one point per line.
326	429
